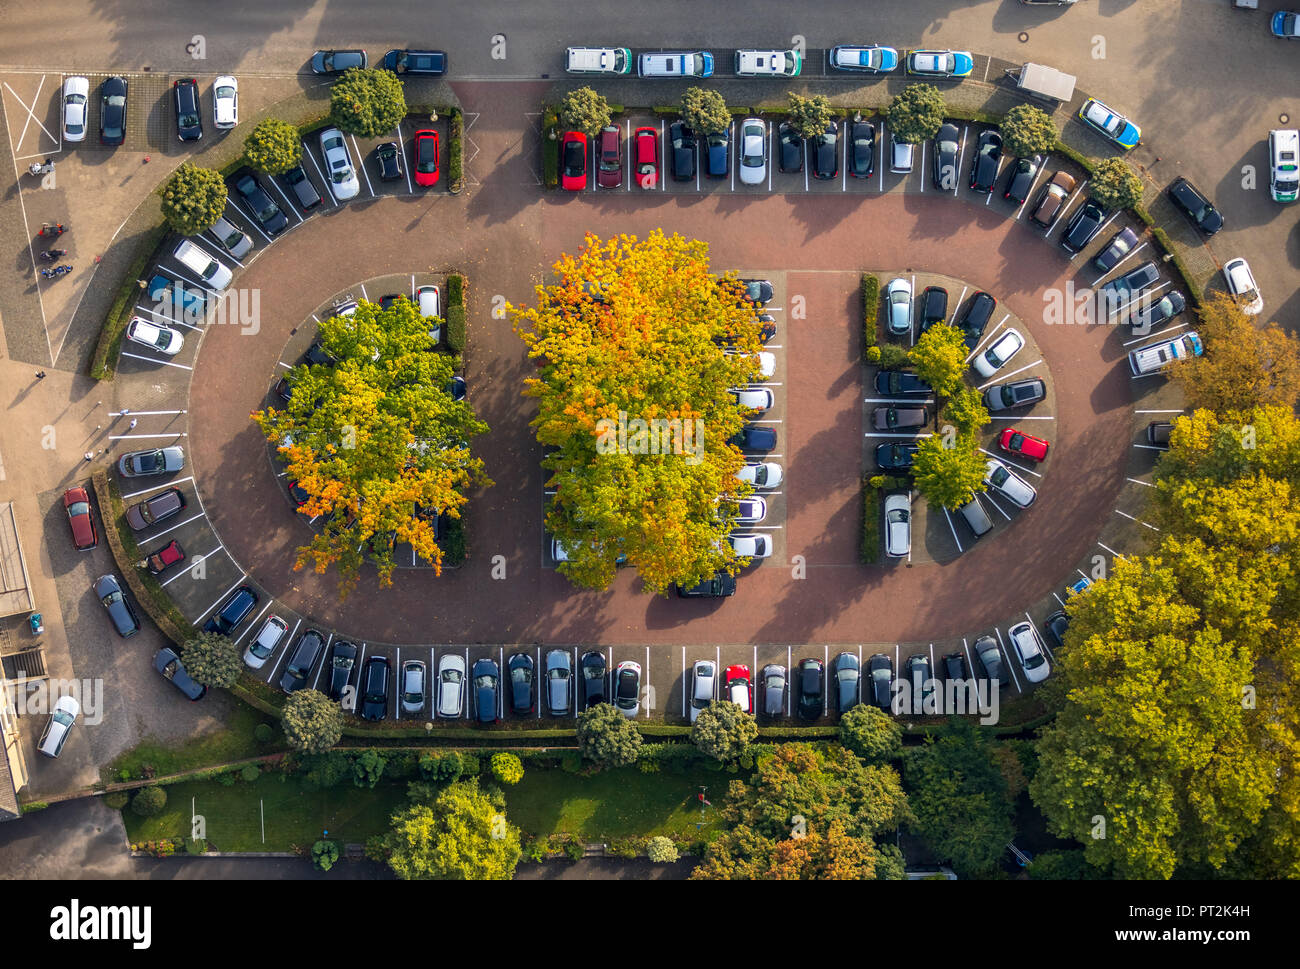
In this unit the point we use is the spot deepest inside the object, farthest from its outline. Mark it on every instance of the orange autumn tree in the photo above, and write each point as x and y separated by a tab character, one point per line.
375	441
631	343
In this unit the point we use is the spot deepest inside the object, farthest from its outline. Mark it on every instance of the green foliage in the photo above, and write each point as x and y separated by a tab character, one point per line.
104	362
264	733
537	849
890	865
571	763
196	846
455	149
870	316
661	850
550	146
367	102
312	722
948	477
916	113
892	356
470	765
584	110
871	733
368	768
507	768
939	357
325	770
1115	185
455	328
1243	367
116	800
723	731
966	412
193	198
1027	131
273	146
461	836
149	801
1063	866
212	660
607	738
250	773
869	544
810	115
324	854
704	111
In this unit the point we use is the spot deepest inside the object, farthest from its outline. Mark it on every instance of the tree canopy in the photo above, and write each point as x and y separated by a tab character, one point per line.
193	198
462	836
810	115
1027	131
1115	185
916	113
704	110
723	730
607	738
584	110
213	660
273	146
367	102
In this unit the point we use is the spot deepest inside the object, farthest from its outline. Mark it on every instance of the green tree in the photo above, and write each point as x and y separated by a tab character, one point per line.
607	738
367	102
948	477
871	733
809	116
368	768
1115	185
723	731
212	659
324	854
1027	131
939	357
273	146
916	113
149	801
462	836
507	768
966	412
313	723
1062	866
661	850
704	111
586	111
193	198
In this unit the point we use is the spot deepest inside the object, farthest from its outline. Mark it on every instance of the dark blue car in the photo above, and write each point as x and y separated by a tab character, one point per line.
485	678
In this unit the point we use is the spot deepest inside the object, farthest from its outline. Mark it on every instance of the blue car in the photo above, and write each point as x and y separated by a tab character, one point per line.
174	293
873	59
1116	127
1286	24
940	63
485	679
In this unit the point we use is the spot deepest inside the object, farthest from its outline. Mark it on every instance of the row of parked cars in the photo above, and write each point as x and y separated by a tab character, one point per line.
113	99
764	62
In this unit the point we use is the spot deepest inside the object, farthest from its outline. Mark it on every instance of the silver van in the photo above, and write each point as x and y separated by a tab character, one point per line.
976	517
598	60
669	63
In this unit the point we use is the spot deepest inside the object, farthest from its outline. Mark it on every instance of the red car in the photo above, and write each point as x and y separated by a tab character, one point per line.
77	504
736	688
1025	445
645	152
167	556
573	162
426	157
609	174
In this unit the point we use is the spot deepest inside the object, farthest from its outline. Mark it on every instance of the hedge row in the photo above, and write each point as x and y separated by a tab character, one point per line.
456	313
870	311
455	149
103	364
869	550
550	146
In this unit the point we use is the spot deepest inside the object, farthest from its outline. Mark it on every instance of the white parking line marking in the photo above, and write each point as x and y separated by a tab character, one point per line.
1058	598
1138	520
1145	484
1157	412
173	528
1111	550
1006	658
288	642
150	413
361	163
158	487
961	151
165	363
1164	333
1026	417
1004	376
186	571
997	506
953	529
987	337
140	437
287	204
1129	255
1019	467
923	168
233	587
1033	187
1043	638
881	161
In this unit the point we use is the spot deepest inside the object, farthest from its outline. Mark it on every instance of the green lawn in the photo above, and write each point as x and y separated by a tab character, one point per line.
294	816
621	803
234	742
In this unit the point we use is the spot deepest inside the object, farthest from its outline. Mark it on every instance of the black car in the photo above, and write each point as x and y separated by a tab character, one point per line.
120	611
984	166
826	153
343	657
112	111
990	658
790	149
975	317
523	683
304	192
954	668
304	658
846	668
185	96
1156	314
389	159
1020	179
812	689
755	438
1055	626
1123	288
944	174
1158	434
374	689
337	61
896	457
757	291
719	586
682	143
862	149
1015	393
235	610
261	205
901	383
431	62
934	306
167	662
456	387
317	355
880	668
1083	226
717	154
1197	207
593	677
1120	245
485	680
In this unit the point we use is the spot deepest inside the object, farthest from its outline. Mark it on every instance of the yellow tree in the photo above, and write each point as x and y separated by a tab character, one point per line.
376	442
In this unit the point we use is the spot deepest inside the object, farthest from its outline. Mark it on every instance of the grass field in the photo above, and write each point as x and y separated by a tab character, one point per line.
235	742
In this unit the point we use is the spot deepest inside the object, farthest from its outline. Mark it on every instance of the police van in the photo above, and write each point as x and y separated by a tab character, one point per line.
1284	164
768	63
669	63
598	60
1158	356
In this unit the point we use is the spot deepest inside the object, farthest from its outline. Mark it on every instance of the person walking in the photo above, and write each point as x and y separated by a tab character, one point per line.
134	421
40	375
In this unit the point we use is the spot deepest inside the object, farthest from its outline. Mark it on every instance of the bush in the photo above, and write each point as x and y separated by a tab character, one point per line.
550	147
450	767
939	357
227	778
212	660
104	362
916	113
723	731
451	539
263	733
117	800
367	102
870	313
574	850
809	116
872	355
312	721
1115	185
507	768
456	313
949	477
324	854
892	356
586	111
368	768
250	773
869	549
327	770
704	111
661	850
608	738
1027	131
149	801
537	849
196	846
193	198
871	733
966	411
273	147
455	149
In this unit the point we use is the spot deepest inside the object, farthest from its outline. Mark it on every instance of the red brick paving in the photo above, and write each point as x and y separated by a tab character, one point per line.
504	237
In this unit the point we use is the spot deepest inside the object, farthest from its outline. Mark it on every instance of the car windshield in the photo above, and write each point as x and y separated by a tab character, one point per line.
343	662
451	676
627	685
520	675
485	682
999	477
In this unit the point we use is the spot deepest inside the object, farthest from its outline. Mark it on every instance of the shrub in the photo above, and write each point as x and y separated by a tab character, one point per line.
450	767
704	111
326	770
966	411
571	763
456	313
873	355
193	198
723	731
916	113
871	733
212	660
574	850
367	102
948	477
324	854
451	539
368	768
607	738
550	147
273	147
455	149
586	111
312	721
227	778
869	549
117	800
149	801
470	765
250	773
809	116
196	846
661	850
892	356
1027	131
1115	185
870	315
507	768
940	358
263	733
537	849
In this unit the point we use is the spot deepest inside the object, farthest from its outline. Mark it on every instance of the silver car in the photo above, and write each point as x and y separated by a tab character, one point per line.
1008	484
60	725
703	683
451	685
265	642
774	685
338	165
753	152
412	691
559	682
898	297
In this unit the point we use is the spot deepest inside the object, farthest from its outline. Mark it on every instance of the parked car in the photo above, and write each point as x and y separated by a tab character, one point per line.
627	688
573	155
954	668
225	102
160	561
717	154
428	300
237	607
719	586
522	673
987	161
1150	316
754	438
703	686
826	153
388	158
901	383
234	240
1021	177
304	192
940	63
1083	226
756	291
185	98
1120	245
902	155
1007	483
1158	434
899	418
120	612
1052	200
142	464
753	151
862	149
1155	357
486	677
167	662
430	62
845	668
59	726
1110	124
451	685
260	205
112	111
76	504
1029	650
1285	25
751	546
682	142
944	156
761	474
1055	626
750	511
598	60
645	156
268	637
337	61
1241	285
872	59
774	685
76	108
790	148
338	165
1284	164
898	526
592	665
156	508
678	64
990	658
880	670
974	318
374	689
921	678
898	300
934	306
812	690
768	63
1195	205
996	357
736	687
1120	290
310	645
896	456
559	683
609	150
1015	393
1023	445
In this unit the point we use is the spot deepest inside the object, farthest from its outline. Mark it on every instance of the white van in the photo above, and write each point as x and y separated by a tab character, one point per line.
214	275
1284	164
670	63
598	60
1157	356
768	63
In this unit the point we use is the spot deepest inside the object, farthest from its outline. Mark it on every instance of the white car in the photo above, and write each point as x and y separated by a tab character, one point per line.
753	152
225	102
338	165
61	723
76	108
1241	284
234	240
558	552
214	274
1029	650
627	688
751	546
766	365
873	58
898	299
750	511
451	685
265	642
161	338
760	399
995	357
898	526
703	679
768	63
412	688
429	300
761	474
1008	484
